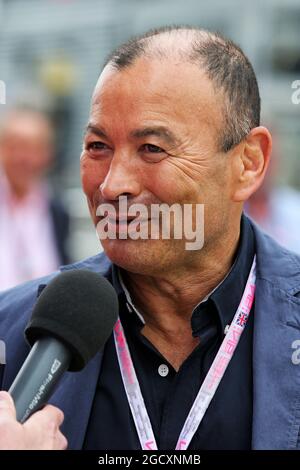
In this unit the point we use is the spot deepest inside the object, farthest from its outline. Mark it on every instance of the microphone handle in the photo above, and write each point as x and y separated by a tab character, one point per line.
38	376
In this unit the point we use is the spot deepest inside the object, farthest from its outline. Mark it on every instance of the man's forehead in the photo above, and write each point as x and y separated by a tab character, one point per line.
171	76
157	92
106	73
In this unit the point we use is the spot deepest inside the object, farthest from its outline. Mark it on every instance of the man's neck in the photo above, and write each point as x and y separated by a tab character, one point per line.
167	301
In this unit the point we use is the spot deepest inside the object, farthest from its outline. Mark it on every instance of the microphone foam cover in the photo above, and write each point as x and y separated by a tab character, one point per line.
79	308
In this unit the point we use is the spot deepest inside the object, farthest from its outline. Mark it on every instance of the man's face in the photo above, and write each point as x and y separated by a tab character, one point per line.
153	136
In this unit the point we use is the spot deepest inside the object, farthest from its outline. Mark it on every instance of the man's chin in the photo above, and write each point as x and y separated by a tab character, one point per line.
138	256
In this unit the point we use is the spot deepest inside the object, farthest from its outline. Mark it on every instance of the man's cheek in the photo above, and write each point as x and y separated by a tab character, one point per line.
86	187
92	210
90	180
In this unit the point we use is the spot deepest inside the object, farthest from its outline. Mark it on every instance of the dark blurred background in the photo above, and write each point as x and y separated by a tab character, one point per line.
51	53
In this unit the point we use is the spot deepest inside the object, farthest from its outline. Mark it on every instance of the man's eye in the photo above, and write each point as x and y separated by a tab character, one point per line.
96	146
152	148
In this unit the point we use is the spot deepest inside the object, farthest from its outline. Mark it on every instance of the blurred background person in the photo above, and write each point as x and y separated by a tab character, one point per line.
276	206
34	225
277	211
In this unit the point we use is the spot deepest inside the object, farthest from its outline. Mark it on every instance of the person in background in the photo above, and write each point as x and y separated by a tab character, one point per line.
276	209
34	225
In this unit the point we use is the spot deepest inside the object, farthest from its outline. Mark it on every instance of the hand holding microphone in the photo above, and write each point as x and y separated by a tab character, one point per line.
71	321
40	432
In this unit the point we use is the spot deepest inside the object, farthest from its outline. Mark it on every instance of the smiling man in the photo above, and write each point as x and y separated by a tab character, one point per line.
175	120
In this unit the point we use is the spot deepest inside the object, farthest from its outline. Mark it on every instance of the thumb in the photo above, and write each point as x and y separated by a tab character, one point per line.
7	406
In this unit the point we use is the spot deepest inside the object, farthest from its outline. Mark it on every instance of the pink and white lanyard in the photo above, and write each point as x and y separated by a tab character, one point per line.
208	387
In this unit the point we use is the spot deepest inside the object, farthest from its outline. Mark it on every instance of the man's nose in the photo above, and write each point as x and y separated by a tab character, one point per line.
122	179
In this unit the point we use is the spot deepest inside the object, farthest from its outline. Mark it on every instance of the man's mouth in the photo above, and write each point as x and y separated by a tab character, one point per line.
125	221
122	219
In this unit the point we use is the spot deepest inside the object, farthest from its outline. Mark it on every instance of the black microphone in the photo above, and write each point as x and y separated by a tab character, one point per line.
71	321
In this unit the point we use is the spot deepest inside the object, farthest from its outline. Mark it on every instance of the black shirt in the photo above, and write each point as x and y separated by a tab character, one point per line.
169	395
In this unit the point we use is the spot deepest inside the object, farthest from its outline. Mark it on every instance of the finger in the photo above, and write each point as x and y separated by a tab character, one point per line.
61	442
7	406
49	414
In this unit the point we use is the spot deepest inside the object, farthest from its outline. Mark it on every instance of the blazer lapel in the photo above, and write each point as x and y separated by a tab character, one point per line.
276	379
74	397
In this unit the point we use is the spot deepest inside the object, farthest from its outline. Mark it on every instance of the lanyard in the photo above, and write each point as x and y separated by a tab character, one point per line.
208	387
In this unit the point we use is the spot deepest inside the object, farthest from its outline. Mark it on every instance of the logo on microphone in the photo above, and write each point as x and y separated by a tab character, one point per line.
2	353
55	366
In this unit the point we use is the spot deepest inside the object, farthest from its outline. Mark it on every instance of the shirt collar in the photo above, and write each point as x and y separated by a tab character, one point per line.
221	305
224	298
122	291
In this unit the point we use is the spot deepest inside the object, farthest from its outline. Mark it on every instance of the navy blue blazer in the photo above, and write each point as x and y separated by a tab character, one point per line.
276	377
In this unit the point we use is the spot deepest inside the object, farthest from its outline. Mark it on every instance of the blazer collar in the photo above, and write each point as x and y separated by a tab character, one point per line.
276	379
277	265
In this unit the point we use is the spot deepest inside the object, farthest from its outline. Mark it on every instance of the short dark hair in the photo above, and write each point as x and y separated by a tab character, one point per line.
225	64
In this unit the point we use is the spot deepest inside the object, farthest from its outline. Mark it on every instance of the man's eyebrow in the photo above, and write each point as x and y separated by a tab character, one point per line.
95	130
158	131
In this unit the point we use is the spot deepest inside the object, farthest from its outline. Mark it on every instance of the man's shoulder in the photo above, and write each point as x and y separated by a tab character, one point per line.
98	263
17	303
276	264
16	306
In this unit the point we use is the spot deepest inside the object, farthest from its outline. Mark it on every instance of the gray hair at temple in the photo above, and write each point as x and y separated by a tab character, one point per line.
223	61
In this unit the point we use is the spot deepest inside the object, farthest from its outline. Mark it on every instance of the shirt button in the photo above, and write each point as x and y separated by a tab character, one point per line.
163	370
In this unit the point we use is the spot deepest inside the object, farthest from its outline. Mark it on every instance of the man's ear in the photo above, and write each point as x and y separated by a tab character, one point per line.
251	163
